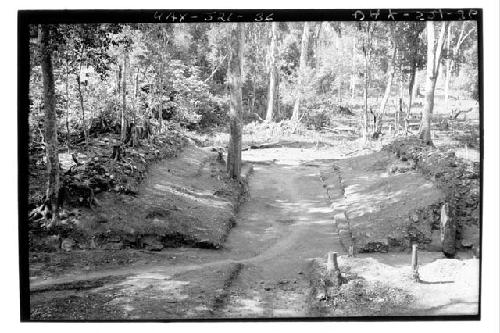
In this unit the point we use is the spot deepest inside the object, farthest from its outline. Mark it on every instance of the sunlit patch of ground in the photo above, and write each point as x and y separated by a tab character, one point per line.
447	286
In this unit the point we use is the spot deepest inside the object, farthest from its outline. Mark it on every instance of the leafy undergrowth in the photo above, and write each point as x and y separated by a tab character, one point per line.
292	132
93	168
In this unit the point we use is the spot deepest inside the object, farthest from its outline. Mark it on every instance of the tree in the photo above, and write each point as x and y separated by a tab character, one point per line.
452	55
273	95
353	70
411	83
66	88
235	110
433	59
387	92
80	95
49	95
302	70
123	123
85	48
412	58
161	73
367	41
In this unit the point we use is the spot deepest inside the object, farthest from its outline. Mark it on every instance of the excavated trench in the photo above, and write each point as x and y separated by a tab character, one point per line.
297	211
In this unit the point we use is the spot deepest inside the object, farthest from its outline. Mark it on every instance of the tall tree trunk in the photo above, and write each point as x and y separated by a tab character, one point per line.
49	94
433	60
387	92
339	93
447	69
452	54
67	101
123	124
302	69
118	81
252	103
235	111
272	97
411	84
160	96
118	91
401	96
353	71
366	53
136	89
82	106
317	45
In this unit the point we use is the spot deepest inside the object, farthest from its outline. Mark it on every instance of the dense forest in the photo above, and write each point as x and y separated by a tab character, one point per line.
131	79
108	76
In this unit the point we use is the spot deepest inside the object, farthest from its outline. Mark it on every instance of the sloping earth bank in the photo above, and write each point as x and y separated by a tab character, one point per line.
457	178
378	210
185	201
267	265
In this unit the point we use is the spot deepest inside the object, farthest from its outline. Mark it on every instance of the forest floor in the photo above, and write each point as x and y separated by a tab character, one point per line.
271	264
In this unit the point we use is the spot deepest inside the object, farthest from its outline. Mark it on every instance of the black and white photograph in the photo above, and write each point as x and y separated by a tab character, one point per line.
229	165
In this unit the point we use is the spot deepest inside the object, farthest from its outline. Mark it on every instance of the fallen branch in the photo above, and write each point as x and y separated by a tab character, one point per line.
340	129
276	144
455	116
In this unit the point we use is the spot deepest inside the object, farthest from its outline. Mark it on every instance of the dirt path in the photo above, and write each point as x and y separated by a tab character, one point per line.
285	222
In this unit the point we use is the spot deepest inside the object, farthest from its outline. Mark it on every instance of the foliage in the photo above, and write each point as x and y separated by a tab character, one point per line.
182	70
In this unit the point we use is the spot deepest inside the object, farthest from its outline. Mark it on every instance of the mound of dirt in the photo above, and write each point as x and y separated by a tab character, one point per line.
184	201
457	178
382	210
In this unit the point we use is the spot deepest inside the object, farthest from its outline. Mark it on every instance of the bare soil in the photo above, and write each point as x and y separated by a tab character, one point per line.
266	265
382	284
187	199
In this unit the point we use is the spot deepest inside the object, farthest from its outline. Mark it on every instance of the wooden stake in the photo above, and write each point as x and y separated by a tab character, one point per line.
414	262
332	264
332	268
448	232
414	257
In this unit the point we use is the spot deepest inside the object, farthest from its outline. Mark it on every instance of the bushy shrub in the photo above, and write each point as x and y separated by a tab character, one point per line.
322	111
193	103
